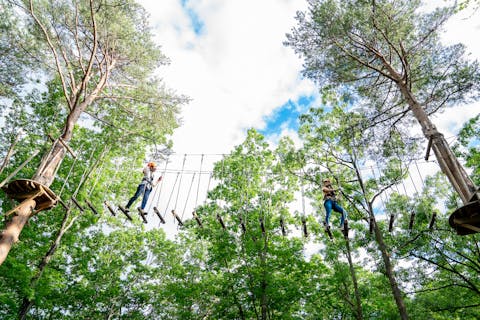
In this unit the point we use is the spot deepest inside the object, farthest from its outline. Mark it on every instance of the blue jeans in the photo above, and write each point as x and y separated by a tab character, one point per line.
330	204
142	189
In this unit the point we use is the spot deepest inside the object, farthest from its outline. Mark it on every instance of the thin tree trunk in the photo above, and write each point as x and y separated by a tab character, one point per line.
9	153
397	294
358	301
28	303
449	164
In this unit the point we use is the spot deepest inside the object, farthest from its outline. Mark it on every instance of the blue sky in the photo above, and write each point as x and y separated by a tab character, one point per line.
196	23
286	116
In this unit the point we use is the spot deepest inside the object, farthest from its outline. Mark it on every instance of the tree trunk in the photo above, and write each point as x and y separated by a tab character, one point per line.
13	227
449	164
397	294
358	301
27	303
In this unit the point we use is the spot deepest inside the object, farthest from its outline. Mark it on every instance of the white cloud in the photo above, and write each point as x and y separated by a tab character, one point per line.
236	71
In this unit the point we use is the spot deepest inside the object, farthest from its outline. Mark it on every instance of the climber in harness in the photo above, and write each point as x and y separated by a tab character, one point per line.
145	186
330	203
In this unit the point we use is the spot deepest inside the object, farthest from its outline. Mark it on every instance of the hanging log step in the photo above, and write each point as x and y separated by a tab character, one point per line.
109	207
142	214
262	225
371	224
90	205
242	225
390	223
432	221
125	212
158	215
345	229
304	227
194	214
180	223
219	218
77	204
412	219
327	230
282	226
466	219
23	189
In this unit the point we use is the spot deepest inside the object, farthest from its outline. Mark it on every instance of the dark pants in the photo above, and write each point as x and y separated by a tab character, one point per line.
142	189
330	204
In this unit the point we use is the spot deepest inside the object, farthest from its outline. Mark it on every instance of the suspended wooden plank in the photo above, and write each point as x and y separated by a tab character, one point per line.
262	226
432	221
64	205
158	215
125	212
282	226
412	219
110	208
327	230
242	225
304	227
142	214
91	207
180	223
194	214
77	204
345	229
390	223
220	220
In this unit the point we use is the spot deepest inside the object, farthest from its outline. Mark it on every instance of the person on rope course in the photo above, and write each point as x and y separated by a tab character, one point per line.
330	203
145	186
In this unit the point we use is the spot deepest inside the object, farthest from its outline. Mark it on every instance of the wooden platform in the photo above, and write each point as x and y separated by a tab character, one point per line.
466	220
23	189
